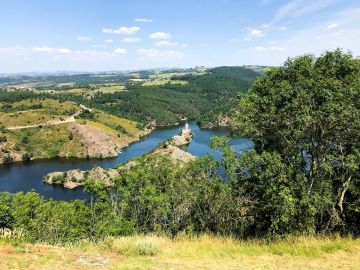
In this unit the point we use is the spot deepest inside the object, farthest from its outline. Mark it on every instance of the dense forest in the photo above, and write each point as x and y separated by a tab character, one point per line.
302	177
202	99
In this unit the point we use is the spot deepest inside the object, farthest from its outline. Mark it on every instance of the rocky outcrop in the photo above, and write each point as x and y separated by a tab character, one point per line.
76	178
175	154
222	120
96	142
183	138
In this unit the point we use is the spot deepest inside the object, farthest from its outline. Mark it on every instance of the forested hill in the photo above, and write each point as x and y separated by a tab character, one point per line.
242	73
207	98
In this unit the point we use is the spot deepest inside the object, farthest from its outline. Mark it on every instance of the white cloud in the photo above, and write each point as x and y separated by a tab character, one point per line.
332	26
108	41
120	51
283	28
122	30
261	49
184	45
300	8
83	38
131	40
98	46
165	43
52	50
267	49
143	20
334	30
253	34
160	35
256	33
159	53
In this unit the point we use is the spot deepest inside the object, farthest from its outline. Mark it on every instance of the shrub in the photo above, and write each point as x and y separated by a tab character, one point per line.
146	248
7	159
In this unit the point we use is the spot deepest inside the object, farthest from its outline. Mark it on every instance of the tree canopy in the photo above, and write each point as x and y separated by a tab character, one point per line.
305	119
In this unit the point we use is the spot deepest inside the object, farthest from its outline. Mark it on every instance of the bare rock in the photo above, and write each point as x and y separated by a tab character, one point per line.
76	178
175	154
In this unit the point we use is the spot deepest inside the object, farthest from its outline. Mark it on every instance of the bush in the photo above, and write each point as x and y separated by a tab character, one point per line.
146	248
121	129
133	247
25	139
7	159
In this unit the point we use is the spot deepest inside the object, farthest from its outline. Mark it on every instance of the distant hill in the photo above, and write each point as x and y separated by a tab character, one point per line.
242	73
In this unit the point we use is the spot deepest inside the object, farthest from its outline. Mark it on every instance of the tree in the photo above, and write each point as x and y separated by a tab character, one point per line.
304	118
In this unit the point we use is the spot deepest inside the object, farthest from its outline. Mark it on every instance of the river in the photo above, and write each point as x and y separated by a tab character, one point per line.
26	176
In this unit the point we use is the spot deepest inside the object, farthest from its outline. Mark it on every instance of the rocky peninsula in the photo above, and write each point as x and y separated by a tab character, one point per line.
76	178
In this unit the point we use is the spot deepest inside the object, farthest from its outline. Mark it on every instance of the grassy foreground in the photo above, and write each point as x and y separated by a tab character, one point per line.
206	252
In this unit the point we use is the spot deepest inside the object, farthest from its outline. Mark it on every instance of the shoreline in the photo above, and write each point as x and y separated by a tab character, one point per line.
143	134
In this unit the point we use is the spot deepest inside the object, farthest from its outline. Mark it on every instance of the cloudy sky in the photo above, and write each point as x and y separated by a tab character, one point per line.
99	35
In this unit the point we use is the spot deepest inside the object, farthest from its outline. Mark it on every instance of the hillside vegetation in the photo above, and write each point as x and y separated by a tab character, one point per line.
44	128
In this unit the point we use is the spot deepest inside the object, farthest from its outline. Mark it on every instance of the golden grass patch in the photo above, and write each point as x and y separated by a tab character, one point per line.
205	252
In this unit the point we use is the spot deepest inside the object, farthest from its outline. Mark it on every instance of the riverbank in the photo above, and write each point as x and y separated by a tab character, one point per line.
205	252
76	178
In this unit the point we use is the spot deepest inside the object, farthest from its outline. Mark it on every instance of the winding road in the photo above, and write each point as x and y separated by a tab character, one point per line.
49	123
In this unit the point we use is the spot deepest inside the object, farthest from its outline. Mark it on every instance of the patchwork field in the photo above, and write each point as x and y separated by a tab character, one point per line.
206	252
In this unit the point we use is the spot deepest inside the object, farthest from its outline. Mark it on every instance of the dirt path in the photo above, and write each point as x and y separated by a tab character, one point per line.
49	123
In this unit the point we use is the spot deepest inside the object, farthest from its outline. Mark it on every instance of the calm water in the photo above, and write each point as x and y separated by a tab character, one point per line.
27	176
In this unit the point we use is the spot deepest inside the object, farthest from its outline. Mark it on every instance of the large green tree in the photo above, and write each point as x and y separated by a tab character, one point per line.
304	118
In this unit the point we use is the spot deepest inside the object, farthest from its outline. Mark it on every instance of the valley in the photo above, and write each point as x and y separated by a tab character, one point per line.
180	135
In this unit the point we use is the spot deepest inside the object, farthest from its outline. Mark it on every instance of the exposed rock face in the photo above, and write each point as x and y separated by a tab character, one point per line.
75	178
184	138
98	143
176	154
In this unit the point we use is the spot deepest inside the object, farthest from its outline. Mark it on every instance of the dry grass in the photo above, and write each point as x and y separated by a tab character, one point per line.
206	252
111	88
22	114
112	121
27	117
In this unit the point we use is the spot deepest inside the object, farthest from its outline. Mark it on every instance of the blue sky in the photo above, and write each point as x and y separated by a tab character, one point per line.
99	35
